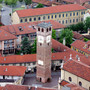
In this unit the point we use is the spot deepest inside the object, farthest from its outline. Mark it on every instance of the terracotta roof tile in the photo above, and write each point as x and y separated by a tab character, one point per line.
55	56
78	36
87	6
22	87
80	45
47	10
12	70
28	27
4	35
77	68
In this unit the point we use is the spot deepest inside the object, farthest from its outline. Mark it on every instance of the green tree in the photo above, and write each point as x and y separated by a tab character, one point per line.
87	23
25	48
20	0
80	27
67	34
40	5
53	34
11	2
34	47
28	2
1	1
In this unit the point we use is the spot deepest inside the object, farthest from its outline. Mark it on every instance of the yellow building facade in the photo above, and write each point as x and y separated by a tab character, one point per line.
66	17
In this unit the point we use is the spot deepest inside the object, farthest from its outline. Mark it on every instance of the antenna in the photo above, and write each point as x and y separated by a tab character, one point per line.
70	57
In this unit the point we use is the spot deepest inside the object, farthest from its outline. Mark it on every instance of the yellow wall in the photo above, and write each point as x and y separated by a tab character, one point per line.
59	19
15	18
75	79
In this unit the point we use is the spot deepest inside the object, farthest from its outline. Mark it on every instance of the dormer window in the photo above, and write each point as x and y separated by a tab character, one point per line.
20	29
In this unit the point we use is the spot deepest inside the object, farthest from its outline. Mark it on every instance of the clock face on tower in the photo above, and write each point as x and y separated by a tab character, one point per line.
40	39
48	39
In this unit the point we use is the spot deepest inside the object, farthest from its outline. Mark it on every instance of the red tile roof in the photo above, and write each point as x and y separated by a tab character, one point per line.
4	35
22	87
12	70
55	56
28	27
80	45
63	82
77	68
87	6
1	88
78	36
49	10
58	46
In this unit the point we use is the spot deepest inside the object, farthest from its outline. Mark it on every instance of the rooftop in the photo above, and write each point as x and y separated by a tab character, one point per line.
49	10
12	70
81	45
78	68
44	24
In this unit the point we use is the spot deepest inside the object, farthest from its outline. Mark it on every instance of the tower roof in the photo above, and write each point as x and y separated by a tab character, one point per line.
44	25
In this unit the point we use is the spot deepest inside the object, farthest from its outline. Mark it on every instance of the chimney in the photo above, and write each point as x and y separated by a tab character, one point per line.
4	59
78	58
29	88
64	41
6	69
70	57
35	87
21	54
61	65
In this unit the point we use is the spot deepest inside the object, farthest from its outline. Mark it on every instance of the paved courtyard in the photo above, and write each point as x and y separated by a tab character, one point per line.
30	79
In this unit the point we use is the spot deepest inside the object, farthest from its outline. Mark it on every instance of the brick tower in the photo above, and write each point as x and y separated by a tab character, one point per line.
44	44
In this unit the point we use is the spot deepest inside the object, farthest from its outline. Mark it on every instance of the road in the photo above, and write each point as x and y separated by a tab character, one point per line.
5	17
30	79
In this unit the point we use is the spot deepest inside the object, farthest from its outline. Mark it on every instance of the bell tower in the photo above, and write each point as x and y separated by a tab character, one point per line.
44	45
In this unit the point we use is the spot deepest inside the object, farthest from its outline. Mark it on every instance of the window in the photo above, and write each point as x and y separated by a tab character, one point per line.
81	19
80	83
70	79
55	16
52	16
59	15
30	19
43	17
21	20
34	19
74	14
63	22
77	13
70	21
70	14
47	29
66	21
25	20
73	20
50	29
66	14
81	13
77	20
40	44
42	30
63	15
38	29
39	18
48	17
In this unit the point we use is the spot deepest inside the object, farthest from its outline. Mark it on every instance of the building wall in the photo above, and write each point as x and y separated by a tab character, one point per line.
62	17
82	52
15	18
75	79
